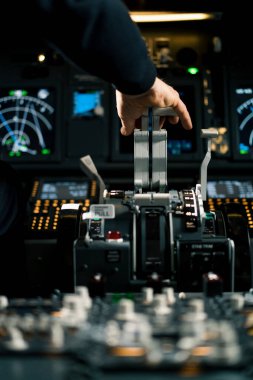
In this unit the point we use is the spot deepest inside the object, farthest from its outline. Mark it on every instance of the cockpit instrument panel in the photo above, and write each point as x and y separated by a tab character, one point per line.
27	123
242	120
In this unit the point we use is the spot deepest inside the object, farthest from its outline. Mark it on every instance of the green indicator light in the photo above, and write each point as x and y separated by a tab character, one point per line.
116	297
18	93
45	151
13	154
243	151
193	70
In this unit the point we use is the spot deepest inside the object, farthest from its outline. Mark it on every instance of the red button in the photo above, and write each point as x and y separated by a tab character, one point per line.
113	235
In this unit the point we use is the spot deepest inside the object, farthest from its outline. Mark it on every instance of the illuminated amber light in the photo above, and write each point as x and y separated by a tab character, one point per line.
168	16
128	351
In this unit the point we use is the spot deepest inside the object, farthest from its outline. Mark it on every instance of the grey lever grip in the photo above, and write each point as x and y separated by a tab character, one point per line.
155	113
161	111
150	151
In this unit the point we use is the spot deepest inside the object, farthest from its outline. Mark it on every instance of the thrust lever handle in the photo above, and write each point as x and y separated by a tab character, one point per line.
208	134
150	151
151	117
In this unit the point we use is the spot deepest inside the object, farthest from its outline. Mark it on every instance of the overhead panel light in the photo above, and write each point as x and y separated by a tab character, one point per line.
169	16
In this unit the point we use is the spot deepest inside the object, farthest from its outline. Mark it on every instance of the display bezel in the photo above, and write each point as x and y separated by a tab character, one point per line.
240	89
31	87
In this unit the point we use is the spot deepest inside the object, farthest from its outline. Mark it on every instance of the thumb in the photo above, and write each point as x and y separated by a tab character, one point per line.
127	127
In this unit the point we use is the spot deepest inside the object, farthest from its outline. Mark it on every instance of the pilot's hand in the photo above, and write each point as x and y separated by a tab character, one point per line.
130	108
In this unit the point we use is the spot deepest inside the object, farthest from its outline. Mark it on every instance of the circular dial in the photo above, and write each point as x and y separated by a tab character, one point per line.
245	125
26	122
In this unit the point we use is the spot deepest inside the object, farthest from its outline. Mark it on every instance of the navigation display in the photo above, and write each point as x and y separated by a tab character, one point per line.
27	122
242	120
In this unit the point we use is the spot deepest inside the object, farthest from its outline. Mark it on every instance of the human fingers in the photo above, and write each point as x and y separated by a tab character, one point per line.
164	95
173	119
127	127
183	115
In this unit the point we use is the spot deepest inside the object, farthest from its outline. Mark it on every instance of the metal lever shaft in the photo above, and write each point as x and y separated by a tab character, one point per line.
208	134
150	151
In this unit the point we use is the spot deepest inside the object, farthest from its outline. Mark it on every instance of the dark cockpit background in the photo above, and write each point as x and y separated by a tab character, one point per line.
51	114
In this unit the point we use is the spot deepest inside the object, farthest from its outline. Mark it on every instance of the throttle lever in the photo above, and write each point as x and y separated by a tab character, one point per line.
150	151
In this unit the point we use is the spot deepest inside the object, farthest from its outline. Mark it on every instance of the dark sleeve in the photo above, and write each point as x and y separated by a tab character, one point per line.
100	37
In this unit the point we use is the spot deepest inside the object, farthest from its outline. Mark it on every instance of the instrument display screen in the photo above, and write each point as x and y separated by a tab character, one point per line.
64	189
242	119
229	189
87	103
27	122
